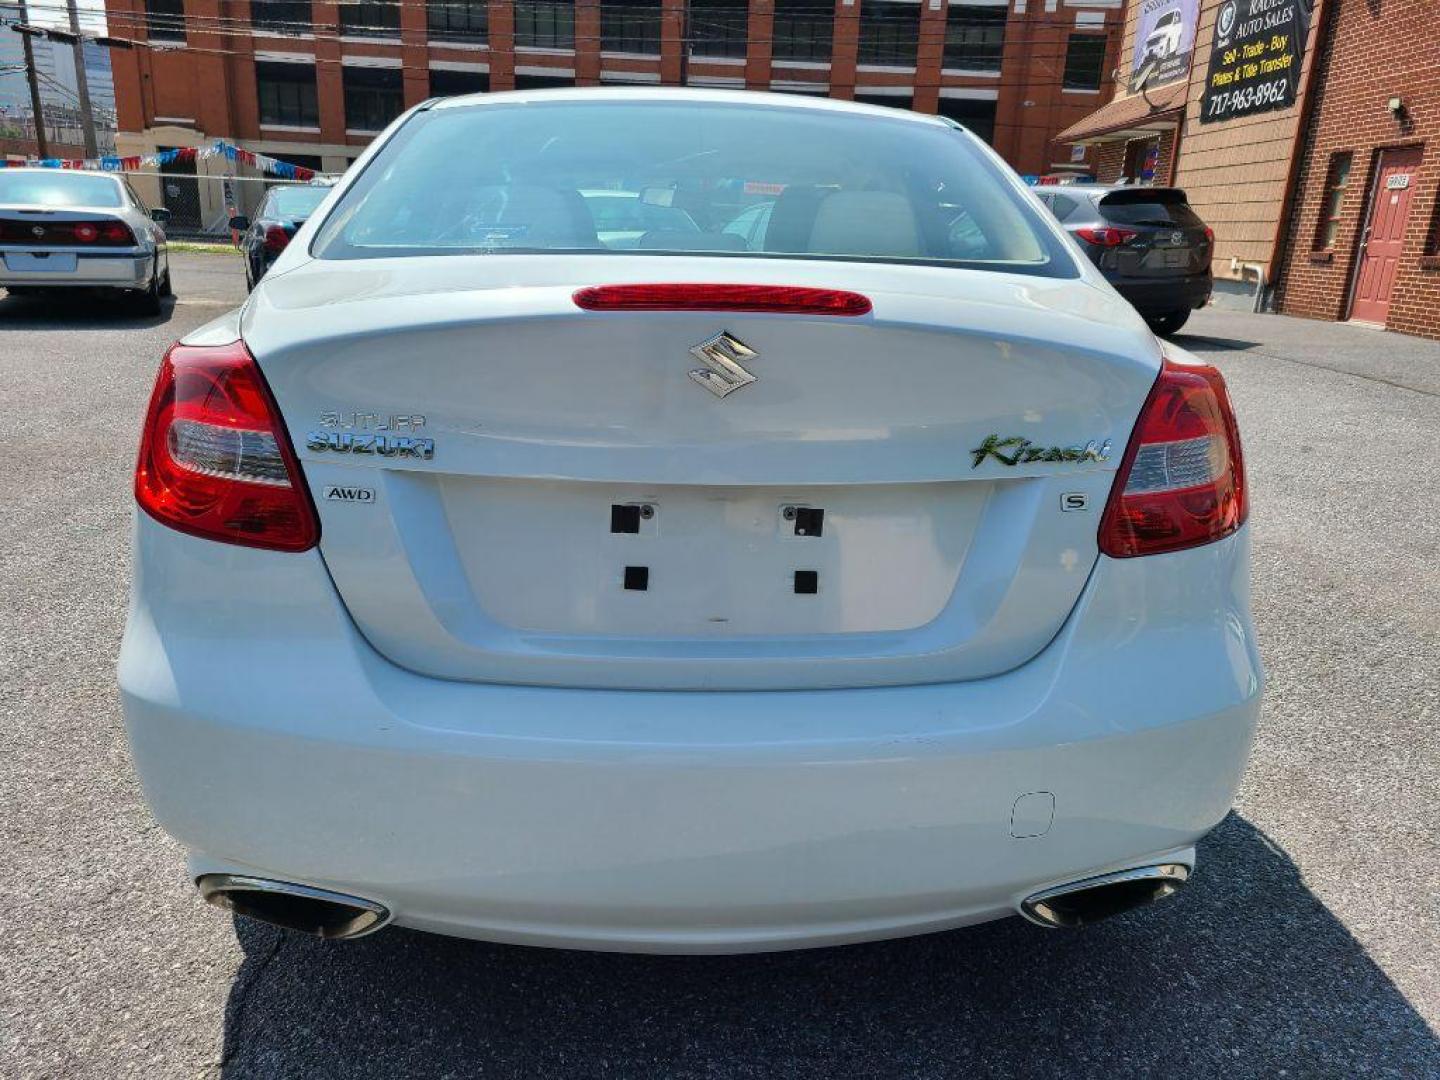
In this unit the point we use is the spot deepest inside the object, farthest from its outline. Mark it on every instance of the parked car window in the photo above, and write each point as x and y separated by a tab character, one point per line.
59	189
295	201
1063	206
1148	207
509	177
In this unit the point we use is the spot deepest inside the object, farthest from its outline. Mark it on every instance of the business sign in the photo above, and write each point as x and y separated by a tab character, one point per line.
1164	38
1256	58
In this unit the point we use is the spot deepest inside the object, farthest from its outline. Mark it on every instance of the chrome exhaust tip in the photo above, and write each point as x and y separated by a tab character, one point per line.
296	907
1080	903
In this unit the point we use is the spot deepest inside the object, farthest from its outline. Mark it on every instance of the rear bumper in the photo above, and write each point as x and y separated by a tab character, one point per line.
272	740
128	269
1152	296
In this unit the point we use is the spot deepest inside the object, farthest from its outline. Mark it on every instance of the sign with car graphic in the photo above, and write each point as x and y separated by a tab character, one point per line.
1164	40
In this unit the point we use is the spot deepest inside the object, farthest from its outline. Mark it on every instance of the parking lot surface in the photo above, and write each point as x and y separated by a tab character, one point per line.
1308	944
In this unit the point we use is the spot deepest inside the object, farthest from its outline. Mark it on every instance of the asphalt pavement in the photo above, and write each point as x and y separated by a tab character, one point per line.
1308	944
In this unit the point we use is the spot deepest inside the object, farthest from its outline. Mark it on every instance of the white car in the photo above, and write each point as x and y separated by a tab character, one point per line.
1164	39
495	582
62	229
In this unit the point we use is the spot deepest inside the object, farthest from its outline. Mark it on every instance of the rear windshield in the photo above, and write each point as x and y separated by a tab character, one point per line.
1141	207
686	177
57	189
296	201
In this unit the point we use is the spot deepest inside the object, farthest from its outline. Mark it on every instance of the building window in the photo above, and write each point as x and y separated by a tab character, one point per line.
165	20
543	82
974	37
719	27
1084	62
977	114
370	18
887	101
801	31
457	20
281	16
287	94
544	24
1337	179
450	83
889	33
630	27
373	97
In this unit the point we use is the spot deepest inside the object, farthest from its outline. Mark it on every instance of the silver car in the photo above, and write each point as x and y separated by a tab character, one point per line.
88	230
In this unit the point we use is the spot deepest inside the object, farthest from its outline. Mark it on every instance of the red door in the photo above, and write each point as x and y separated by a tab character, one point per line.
1384	234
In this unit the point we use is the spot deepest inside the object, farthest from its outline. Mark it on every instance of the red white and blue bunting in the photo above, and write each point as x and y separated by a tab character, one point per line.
135	162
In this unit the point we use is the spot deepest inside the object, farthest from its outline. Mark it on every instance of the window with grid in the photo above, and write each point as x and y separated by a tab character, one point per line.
373	97
719	28
1084	62
281	16
287	94
165	20
889	33
630	26
370	18
543	24
803	31
457	20
1337	179
974	37
445	83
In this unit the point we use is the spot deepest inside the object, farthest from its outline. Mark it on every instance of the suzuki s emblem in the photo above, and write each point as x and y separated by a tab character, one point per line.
721	355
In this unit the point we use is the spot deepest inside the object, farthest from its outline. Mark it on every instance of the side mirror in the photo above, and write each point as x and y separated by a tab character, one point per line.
239	223
160	215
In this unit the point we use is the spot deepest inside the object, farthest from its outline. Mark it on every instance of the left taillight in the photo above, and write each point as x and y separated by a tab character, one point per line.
1182	480
215	460
1107	236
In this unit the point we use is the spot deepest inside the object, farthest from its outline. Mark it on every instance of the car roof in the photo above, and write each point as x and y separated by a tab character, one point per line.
687	95
38	170
1106	189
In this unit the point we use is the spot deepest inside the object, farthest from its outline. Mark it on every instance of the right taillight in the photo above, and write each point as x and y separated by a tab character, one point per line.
215	460
1182	480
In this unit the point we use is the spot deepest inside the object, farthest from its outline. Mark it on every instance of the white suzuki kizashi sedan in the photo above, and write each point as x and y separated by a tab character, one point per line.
849	562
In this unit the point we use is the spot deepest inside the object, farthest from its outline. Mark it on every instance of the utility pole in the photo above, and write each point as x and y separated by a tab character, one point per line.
36	108
82	83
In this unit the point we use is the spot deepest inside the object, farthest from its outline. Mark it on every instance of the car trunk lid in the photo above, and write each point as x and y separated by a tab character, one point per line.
514	489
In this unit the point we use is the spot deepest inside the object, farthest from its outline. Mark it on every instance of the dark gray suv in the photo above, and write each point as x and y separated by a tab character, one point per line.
1148	243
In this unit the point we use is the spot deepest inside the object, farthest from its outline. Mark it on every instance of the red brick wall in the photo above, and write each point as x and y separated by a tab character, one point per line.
1378	49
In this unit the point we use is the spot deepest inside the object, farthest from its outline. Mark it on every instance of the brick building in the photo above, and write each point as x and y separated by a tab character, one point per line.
312	81
1364	231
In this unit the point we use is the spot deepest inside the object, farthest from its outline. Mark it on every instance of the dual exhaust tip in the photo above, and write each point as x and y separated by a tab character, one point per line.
320	912
336	916
1080	903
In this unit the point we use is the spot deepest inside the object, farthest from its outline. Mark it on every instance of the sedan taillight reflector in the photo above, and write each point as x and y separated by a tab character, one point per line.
214	458
1182	480
781	299
107	232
